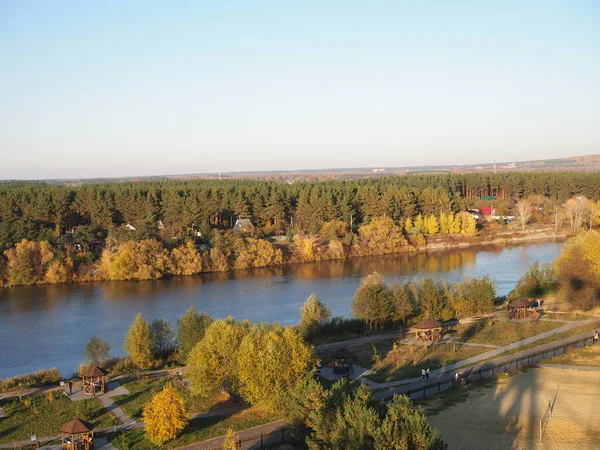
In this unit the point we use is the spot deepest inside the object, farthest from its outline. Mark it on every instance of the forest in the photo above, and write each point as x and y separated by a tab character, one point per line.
150	229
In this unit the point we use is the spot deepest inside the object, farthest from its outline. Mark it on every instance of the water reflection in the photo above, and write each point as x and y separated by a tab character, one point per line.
44	326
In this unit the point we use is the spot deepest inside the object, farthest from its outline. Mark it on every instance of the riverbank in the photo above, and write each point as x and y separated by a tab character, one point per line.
289	254
435	243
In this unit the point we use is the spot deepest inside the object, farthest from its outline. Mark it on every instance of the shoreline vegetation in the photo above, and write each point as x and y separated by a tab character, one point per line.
151	229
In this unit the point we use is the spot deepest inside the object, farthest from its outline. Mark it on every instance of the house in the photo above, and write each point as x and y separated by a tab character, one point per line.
244	225
487	210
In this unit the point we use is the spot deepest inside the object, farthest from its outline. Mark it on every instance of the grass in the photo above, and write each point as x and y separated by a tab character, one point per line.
143	390
43	377
496	332
587	356
44	415
407	361
196	431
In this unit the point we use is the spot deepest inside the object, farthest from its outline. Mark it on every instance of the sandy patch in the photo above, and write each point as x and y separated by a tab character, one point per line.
507	416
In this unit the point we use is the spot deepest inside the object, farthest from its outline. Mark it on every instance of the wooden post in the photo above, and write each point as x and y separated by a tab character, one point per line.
283	435
438	387
261	440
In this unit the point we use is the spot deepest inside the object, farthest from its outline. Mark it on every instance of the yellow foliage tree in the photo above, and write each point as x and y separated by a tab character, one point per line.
333	229
212	363
271	360
138	342
431	225
165	416
257	253
468	224
28	262
408	225
456	224
419	225
185	260
143	260
230	440
60	271
380	236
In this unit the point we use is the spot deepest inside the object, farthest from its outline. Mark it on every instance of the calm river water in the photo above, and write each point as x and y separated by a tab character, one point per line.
49	326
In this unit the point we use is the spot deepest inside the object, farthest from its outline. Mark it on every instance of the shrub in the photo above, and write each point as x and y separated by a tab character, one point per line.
38	378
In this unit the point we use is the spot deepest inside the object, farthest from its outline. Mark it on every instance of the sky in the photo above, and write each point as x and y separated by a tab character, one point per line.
111	89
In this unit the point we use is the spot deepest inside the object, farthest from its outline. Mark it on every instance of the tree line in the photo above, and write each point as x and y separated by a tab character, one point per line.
145	230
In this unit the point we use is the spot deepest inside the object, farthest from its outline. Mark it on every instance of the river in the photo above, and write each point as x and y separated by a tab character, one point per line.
49	326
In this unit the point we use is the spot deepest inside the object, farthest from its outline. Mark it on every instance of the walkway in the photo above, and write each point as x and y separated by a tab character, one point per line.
248	437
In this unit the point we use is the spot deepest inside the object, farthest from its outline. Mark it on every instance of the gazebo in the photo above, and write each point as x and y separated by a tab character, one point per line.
77	435
521	309
94	381
428	330
342	361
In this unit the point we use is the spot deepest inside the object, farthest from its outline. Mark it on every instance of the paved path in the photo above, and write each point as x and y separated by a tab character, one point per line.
248	437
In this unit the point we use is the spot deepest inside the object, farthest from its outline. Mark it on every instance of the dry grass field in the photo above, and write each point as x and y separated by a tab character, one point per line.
507	415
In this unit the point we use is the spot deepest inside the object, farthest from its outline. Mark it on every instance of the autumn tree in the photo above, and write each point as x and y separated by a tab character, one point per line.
312	315
191	328
213	362
28	262
143	260
185	259
271	360
578	271
373	302
333	229
138	342
96	350
60	270
165	416
381	236
230	442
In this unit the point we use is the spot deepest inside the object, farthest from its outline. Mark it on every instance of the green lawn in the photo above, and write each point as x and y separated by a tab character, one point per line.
44	415
143	390
497	332
197	430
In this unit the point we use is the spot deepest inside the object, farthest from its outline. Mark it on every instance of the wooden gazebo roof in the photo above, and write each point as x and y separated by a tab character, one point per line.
427	324
520	303
343	353
77	426
94	372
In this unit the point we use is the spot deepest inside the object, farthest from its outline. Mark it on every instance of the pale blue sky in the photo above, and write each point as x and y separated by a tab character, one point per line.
138	87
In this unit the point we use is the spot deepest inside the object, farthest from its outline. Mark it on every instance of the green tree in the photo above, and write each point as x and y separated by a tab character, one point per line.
312	315
403	305
373	302
138	342
96	350
162	338
190	330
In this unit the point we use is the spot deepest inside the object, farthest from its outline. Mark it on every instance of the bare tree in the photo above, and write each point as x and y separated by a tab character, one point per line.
559	215
575	209
523	208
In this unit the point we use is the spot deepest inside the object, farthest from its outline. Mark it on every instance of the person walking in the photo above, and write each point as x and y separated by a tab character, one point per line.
70	387
427	374
423	374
